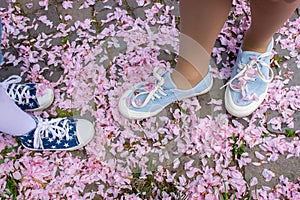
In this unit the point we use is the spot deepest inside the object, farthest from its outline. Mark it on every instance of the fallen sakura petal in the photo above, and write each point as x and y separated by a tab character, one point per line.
192	172
268	174
216	102
188	164
29	5
176	163
259	155
253	181
17	175
67	4
259	163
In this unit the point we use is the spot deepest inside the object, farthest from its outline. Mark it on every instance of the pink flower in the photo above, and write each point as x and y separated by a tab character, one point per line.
67	4
268	174
259	155
44	3
253	181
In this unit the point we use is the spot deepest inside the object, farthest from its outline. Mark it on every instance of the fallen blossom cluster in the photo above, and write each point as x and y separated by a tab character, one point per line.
177	149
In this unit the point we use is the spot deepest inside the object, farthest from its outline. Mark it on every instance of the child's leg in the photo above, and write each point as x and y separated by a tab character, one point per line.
12	119
267	17
1	56
246	90
202	20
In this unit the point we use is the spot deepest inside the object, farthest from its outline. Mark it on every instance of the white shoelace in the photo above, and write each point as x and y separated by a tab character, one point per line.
156	92
13	92
253	69
59	128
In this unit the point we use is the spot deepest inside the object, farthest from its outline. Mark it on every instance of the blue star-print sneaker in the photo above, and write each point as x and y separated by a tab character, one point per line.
58	134
249	82
147	100
25	95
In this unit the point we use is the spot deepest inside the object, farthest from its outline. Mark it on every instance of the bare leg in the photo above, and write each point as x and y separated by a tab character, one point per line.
201	20
267	17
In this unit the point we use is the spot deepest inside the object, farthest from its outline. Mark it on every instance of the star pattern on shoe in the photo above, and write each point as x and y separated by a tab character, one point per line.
24	95
51	134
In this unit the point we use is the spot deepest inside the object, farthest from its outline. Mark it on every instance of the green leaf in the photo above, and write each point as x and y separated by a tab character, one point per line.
12	187
290	133
265	134
66	113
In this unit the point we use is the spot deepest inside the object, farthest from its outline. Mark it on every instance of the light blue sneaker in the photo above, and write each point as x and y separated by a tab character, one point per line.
25	95
147	100
249	82
58	134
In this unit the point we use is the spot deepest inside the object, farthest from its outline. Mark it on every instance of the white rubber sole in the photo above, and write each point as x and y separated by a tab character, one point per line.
242	111
130	114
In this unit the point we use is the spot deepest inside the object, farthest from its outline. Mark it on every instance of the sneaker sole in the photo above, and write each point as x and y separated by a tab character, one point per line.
82	125
242	111
138	115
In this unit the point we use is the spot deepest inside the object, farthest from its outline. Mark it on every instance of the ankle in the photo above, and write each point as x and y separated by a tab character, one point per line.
258	49
186	81
186	76
255	46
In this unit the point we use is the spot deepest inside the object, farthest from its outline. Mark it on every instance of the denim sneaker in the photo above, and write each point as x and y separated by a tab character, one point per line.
147	100
25	95
58	134
249	82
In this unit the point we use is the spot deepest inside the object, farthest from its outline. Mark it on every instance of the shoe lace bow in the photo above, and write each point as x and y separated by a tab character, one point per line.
58	128
249	72
152	91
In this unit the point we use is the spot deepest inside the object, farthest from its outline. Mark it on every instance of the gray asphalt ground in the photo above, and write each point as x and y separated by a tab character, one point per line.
287	167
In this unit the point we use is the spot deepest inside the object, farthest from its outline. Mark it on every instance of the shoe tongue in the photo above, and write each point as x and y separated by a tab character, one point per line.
169	84
250	55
